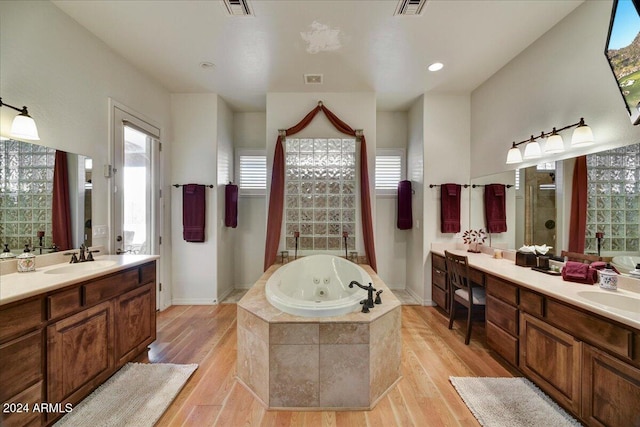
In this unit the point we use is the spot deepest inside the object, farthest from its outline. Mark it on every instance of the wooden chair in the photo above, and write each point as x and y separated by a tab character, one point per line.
460	286
583	258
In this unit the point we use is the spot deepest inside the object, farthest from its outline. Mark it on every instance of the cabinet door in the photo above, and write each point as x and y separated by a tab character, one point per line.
551	358
135	322
610	390
80	353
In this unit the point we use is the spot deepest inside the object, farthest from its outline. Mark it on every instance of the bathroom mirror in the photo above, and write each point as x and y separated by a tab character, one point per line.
26	195
541	203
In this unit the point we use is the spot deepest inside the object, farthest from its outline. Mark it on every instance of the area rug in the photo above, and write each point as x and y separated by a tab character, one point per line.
509	402
135	396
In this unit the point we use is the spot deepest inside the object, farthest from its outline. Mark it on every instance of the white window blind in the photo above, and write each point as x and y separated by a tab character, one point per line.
252	173
389	171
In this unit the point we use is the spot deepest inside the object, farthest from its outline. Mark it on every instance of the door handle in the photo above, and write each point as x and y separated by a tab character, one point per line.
118	238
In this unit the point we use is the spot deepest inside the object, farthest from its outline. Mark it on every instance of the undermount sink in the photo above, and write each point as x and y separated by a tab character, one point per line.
612	300
83	267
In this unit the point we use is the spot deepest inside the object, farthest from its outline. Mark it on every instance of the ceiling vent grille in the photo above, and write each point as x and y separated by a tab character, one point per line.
238	7
410	7
313	79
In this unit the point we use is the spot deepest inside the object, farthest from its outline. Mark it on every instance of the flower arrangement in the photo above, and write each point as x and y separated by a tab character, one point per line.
474	238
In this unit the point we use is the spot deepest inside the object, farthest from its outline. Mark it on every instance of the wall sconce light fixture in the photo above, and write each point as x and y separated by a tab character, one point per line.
582	135
23	126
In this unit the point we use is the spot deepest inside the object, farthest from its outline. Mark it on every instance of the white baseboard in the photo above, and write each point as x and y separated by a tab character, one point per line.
417	297
222	296
194	301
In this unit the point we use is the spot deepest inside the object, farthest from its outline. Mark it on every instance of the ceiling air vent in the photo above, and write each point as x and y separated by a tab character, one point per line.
313	79
410	7
238	7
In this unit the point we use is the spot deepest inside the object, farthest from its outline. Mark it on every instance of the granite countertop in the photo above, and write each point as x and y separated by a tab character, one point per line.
17	286
255	301
555	286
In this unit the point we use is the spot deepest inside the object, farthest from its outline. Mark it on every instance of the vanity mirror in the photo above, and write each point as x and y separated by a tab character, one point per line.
538	209
26	196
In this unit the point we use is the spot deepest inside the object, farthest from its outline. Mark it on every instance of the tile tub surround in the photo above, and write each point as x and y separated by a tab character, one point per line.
340	363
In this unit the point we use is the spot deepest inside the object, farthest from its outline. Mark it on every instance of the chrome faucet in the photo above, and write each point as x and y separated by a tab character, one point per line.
368	303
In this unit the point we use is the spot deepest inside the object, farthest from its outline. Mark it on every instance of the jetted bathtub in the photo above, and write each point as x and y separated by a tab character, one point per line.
317	286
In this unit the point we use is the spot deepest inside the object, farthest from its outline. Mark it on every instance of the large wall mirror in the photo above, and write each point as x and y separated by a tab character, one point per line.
538	204
26	196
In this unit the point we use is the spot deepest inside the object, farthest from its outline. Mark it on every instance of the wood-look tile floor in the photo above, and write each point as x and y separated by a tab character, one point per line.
206	335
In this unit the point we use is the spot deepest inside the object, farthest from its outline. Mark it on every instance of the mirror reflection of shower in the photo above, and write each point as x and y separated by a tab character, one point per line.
540	204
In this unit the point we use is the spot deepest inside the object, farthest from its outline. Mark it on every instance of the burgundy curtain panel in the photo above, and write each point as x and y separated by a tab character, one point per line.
60	208
578	221
276	198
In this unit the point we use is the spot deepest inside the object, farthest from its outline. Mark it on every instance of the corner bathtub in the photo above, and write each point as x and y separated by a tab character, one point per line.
317	286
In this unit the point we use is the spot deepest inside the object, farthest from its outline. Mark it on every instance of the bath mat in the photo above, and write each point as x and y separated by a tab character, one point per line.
508	402
135	396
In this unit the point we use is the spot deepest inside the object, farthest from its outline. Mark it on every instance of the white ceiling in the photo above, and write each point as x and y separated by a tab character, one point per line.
374	51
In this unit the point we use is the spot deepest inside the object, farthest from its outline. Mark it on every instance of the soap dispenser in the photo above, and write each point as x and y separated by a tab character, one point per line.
608	278
6	253
26	260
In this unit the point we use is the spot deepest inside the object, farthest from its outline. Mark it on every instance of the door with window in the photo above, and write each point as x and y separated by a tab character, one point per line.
136	190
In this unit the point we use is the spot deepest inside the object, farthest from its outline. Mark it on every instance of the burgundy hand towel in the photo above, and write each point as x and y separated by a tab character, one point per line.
193	212
231	205
574	271
450	208
495	208
405	216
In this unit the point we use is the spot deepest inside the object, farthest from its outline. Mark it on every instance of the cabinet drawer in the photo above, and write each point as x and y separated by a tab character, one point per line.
440	297
21	364
532	303
148	273
110	286
503	315
438	262
64	302
589	328
20	318
30	396
502	343
502	290
439	278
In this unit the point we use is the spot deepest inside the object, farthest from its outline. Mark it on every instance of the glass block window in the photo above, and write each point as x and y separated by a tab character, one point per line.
613	205
26	187
320	192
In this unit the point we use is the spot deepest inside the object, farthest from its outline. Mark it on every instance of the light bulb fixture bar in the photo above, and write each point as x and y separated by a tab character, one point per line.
23	126
582	135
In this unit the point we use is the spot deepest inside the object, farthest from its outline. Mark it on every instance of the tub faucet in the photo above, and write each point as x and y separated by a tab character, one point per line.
370	290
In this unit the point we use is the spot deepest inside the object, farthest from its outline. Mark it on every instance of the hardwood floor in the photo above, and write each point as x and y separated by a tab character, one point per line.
424	396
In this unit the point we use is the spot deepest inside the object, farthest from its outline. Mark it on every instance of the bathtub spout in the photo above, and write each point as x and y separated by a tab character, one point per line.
370	290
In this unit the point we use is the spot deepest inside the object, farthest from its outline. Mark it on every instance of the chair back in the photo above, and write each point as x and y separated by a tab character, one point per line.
457	270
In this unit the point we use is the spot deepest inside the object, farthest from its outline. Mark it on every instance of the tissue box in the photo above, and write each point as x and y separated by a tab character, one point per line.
526	259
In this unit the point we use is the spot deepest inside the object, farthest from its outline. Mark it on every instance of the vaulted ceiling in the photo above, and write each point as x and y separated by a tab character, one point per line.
356	45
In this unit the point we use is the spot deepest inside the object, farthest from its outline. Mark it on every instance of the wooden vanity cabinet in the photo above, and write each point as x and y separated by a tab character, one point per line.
551	358
502	318
60	346
439	282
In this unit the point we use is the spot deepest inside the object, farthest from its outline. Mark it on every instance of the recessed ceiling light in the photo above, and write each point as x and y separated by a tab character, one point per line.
436	66
207	65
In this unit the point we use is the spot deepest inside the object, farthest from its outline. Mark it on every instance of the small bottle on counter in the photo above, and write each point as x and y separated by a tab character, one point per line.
6	253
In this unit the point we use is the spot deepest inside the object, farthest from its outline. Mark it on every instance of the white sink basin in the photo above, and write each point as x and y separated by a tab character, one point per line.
625	263
612	300
83	267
